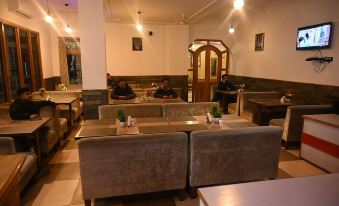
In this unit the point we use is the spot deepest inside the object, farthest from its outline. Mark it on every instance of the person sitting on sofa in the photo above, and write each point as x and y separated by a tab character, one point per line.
23	108
165	91
224	85
122	91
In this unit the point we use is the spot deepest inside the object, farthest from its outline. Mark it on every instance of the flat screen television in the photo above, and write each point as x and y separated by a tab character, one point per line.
315	37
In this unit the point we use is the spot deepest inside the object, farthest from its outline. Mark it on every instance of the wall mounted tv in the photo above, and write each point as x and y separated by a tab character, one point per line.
315	37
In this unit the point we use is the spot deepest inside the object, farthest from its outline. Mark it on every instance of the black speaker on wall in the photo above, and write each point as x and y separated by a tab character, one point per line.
150	33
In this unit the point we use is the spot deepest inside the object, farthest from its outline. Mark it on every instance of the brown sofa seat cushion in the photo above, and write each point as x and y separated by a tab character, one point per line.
132	164
234	155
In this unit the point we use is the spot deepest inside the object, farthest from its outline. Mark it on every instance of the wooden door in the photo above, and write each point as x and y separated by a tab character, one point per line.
206	72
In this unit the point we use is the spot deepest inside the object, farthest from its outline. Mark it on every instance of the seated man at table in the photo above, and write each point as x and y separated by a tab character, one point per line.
122	91
224	85
23	108
165	91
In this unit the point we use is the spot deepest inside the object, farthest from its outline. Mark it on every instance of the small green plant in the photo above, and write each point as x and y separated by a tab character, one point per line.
121	116
216	110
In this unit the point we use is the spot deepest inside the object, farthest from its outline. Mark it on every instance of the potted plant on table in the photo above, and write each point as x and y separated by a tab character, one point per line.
122	117
216	112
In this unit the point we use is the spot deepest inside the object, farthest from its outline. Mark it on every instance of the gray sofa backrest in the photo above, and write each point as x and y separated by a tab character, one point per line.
293	124
132	164
186	109
135	110
247	108
234	155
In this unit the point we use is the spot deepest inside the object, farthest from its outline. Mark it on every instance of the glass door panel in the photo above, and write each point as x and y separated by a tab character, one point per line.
74	68
12	59
213	65
25	59
201	65
36	60
224	61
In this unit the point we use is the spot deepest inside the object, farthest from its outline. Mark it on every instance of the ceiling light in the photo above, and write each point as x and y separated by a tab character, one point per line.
231	30
238	4
48	18
139	26
68	28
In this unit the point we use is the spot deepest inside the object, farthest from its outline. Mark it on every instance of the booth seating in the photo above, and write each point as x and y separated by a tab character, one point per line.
246	109
53	135
135	110
233	155
29	167
186	109
293	123
132	164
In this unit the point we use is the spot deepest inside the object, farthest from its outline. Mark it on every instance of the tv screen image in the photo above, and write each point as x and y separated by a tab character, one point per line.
314	37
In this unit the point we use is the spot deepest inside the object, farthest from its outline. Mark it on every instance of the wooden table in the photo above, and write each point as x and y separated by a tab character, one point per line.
310	191
142	100
268	109
66	101
17	128
320	141
97	128
9	179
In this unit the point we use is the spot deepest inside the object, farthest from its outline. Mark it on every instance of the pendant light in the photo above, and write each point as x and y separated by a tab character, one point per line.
48	18
238	4
68	28
139	26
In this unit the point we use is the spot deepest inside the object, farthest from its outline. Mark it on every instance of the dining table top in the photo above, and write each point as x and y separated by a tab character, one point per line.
111	127
21	127
276	102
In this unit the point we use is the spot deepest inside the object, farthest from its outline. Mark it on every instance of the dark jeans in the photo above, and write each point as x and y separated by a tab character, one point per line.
25	143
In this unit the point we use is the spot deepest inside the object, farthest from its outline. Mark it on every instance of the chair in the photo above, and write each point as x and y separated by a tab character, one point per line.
132	164
53	134
293	122
233	155
29	167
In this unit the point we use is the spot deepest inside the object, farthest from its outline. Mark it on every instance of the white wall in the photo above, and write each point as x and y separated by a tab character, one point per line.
36	24
279	60
164	53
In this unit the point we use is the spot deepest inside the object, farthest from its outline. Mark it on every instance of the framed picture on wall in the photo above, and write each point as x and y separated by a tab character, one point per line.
259	42
136	44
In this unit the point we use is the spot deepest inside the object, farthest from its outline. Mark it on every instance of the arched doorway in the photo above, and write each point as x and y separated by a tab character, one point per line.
209	60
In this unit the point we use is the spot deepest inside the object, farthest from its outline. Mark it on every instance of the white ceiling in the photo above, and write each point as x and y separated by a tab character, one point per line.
164	11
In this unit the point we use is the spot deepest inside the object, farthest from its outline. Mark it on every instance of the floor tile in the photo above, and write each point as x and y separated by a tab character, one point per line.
187	202
300	168
286	156
57	193
77	197
58	172
65	156
295	152
282	174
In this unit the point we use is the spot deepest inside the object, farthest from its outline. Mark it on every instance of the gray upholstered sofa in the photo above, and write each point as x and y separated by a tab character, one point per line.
186	109
132	164
29	167
246	108
135	110
293	123
233	155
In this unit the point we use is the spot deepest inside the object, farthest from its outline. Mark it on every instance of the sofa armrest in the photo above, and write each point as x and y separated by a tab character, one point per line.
7	146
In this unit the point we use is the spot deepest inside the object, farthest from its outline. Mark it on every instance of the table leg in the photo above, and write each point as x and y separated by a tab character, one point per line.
37	146
70	115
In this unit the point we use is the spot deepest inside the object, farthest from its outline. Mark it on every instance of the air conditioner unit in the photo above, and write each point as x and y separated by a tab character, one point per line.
19	7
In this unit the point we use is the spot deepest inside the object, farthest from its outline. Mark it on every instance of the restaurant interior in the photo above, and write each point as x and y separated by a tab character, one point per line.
164	103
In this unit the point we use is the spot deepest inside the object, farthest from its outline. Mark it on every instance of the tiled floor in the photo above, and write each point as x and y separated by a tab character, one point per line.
59	182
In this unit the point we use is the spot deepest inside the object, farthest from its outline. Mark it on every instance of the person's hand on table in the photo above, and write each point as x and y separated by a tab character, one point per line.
165	97
123	97
34	116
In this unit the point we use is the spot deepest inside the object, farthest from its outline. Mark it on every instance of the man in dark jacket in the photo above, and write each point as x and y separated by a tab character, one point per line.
224	85
165	91
23	108
122	91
